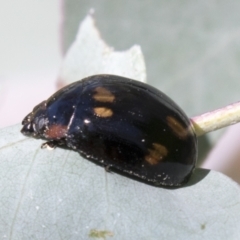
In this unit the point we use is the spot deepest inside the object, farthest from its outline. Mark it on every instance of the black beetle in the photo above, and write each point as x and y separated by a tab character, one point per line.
124	125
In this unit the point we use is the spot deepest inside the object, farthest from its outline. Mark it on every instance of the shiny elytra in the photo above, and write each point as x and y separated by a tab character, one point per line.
126	126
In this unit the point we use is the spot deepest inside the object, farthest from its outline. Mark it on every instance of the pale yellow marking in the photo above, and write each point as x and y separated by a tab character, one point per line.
156	154
103	95
101	234
177	128
103	112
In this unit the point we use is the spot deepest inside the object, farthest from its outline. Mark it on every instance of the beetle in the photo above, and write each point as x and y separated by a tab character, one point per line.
124	125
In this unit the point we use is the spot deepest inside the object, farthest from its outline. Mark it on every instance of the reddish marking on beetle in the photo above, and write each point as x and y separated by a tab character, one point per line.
103	112
157	154
178	129
103	95
56	131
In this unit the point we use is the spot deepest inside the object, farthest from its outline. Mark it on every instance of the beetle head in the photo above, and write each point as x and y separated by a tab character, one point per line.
35	122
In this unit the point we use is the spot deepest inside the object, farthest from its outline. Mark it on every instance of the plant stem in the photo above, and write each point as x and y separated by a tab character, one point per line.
216	119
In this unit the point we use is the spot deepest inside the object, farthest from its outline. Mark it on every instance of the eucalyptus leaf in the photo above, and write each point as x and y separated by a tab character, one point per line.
89	55
59	195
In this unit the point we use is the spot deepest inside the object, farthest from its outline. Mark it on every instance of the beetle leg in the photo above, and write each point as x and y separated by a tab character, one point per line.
107	169
49	145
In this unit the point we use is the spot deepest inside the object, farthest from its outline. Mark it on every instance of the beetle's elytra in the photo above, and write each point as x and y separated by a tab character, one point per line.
124	125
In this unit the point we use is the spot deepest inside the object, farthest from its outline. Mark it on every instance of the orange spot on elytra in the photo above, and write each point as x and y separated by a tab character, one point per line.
177	128
103	112
156	154
103	95
56	131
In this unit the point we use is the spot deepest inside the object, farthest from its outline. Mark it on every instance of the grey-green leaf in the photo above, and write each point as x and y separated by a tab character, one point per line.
59	195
